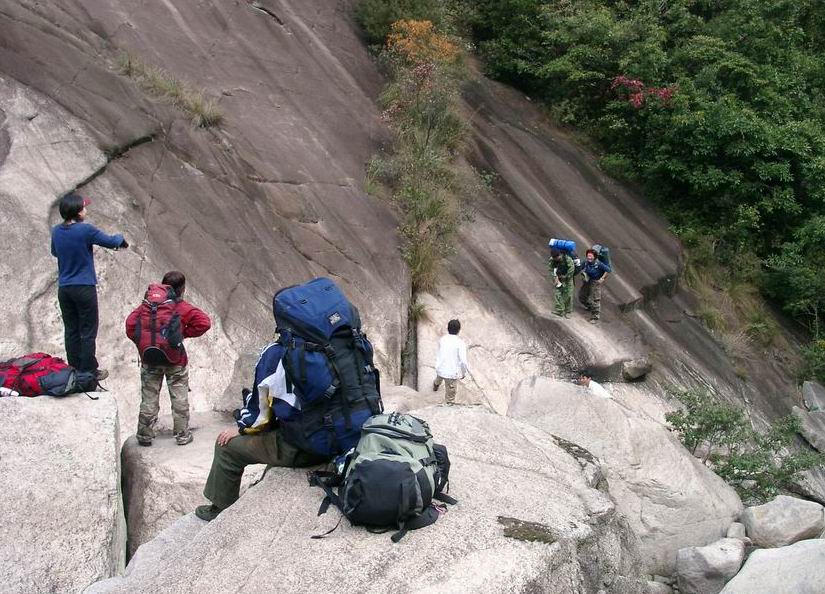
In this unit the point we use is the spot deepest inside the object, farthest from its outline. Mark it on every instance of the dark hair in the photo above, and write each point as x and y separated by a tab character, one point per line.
453	326
554	253
174	279
595	255
70	206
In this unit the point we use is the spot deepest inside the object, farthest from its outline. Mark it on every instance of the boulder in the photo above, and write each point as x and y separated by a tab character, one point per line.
671	500
811	426
705	570
636	369
658	588
737	530
164	482
813	395
783	521
61	517
523	507
795	569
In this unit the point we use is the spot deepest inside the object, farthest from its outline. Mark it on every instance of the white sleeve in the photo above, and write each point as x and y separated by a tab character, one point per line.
462	358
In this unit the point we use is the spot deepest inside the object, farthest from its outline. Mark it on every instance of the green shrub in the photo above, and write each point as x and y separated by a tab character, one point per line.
813	362
377	16
757	465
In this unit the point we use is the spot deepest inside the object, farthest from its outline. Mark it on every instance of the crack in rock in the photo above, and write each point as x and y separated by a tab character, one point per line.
261	8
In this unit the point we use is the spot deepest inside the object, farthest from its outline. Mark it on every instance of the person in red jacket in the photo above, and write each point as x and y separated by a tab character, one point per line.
193	322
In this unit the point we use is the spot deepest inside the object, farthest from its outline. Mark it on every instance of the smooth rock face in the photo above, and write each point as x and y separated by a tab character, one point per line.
737	530
705	570
783	521
164	482
669	498
813	395
811	426
510	479
795	569
61	518
636	369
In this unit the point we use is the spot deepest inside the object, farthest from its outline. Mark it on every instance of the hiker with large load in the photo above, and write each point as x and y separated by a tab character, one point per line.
157	327
314	388
72	243
596	270
562	268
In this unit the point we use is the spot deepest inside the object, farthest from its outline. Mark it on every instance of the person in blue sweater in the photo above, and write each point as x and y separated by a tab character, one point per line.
72	242
595	272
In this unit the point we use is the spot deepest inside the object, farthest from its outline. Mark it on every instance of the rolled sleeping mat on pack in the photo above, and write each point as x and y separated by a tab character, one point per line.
563	245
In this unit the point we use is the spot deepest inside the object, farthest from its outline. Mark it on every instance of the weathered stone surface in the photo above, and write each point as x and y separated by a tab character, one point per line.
61	518
706	570
811	426
795	569
636	369
164	482
783	521
670	499
813	395
658	588
737	530
523	507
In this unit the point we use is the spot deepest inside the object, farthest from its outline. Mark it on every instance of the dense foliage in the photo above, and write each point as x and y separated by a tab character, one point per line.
715	108
420	103
757	465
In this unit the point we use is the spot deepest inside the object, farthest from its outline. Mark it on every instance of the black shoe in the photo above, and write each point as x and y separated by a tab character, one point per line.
101	374
207	513
144	441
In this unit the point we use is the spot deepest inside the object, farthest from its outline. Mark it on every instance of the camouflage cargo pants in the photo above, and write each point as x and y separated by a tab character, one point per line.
151	380
563	298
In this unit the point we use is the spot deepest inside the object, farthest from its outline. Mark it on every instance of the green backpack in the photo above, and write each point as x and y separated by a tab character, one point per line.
391	477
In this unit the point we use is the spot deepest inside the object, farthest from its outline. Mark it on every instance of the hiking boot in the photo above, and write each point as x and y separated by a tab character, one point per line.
594	320
144	441
184	437
207	513
567	315
101	374
555	313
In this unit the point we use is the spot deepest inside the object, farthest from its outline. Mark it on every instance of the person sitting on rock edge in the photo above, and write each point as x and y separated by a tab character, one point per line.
72	243
563	270
193	323
451	361
595	272
256	440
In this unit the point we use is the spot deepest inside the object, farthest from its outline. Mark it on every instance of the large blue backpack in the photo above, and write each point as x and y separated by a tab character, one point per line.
329	368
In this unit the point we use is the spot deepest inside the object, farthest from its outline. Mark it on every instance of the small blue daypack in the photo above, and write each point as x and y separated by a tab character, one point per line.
329	367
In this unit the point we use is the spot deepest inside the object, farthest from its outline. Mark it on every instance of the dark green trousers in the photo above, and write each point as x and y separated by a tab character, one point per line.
224	483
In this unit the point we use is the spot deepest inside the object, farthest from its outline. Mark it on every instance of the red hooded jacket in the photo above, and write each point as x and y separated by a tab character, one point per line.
193	323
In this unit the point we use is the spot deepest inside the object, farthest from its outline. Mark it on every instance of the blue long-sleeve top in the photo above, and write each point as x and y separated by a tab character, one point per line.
72	246
596	270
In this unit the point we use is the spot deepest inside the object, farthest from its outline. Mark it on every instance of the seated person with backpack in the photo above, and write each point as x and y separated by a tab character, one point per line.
313	389
157	327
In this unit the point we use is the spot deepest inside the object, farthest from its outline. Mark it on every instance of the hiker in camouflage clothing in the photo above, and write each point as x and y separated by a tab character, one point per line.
562	270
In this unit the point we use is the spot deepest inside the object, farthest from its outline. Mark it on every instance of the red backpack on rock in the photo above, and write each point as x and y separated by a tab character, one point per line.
158	333
41	374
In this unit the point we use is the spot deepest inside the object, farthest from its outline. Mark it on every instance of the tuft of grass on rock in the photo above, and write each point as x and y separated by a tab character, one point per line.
157	82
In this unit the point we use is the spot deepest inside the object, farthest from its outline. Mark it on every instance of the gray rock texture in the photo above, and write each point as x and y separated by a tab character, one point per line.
813	395
737	530
636	369
526	521
795	569
670	499
811	426
164	482
706	570
61	517
783	521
